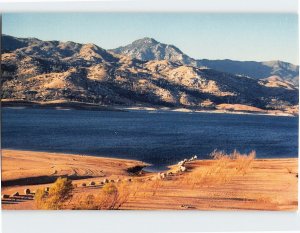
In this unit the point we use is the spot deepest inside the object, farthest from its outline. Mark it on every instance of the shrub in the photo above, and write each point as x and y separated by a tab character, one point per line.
218	154
87	203
39	198
111	197
235	155
109	189
59	193
223	170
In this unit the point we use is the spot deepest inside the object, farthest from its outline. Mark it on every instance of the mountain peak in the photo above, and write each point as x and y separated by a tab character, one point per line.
53	70
148	48
146	40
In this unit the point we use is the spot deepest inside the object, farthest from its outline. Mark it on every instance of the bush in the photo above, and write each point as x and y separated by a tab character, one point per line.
235	155
59	193
87	203
222	170
109	189
39	198
108	197
111	197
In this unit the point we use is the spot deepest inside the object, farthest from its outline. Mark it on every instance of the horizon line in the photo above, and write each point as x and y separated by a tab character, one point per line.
148	37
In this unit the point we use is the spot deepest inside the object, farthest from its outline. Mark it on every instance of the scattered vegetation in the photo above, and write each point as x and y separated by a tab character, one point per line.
113	196
54	199
110	197
235	155
40	198
222	170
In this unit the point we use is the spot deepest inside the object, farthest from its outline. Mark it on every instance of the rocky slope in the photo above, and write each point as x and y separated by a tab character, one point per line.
259	70
150	49
37	70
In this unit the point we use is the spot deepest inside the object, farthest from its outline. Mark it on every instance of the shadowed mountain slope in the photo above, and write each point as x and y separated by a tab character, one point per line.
150	49
37	70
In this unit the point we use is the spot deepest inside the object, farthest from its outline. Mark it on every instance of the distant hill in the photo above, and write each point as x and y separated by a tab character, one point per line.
37	70
150	49
259	70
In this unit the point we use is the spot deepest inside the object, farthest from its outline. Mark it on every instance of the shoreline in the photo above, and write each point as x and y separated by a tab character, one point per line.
146	167
216	111
264	184
68	164
73	105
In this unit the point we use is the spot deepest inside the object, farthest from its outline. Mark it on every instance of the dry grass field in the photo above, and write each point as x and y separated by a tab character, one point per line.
226	182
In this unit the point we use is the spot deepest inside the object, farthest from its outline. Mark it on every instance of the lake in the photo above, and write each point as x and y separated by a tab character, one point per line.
161	138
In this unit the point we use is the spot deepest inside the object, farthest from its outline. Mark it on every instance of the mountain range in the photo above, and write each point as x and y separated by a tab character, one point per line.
150	49
145	73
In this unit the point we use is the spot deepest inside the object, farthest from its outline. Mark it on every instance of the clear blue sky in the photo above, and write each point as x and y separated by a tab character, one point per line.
258	37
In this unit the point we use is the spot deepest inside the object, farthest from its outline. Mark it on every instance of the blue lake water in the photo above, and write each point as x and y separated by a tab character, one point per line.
159	138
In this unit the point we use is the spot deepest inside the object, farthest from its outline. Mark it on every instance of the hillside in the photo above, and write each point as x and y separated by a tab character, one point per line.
150	49
258	70
36	70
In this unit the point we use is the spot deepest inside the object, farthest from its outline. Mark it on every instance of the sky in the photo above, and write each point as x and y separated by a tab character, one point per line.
246	37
